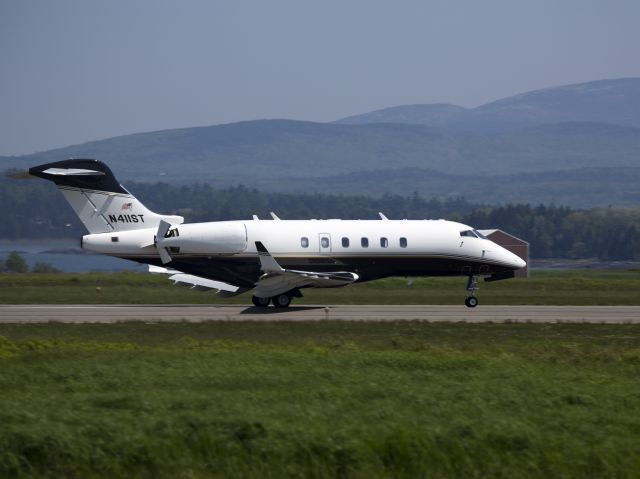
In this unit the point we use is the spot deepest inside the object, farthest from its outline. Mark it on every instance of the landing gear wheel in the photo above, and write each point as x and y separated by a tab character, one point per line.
472	287
281	301
260	302
471	302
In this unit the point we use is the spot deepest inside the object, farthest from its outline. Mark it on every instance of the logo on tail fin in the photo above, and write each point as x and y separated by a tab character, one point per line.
127	206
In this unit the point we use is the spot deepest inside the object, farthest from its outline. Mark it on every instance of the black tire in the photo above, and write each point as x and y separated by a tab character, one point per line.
281	301
260	302
471	302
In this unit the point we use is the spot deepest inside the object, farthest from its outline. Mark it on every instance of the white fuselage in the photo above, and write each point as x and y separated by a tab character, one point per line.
386	247
273	258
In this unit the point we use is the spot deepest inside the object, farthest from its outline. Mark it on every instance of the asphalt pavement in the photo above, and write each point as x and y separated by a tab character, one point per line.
198	313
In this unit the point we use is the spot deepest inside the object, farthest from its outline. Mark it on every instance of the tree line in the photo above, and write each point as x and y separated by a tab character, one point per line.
14	263
35	209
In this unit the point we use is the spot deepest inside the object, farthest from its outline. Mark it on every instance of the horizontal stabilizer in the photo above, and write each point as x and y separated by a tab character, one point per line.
85	174
72	172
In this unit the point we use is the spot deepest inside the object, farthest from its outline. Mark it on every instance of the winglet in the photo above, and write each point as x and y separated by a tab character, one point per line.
382	217
267	263
274	216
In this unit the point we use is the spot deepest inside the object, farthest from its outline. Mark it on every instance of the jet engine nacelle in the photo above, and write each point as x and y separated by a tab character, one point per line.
224	237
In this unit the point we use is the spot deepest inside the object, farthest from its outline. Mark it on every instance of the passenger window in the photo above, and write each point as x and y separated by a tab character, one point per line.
384	242
403	242
364	242
324	242
345	242
115	239
304	242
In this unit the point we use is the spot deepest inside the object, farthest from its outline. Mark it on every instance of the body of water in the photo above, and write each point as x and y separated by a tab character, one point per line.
67	256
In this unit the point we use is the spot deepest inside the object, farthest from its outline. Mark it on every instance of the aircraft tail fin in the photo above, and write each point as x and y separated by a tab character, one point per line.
101	203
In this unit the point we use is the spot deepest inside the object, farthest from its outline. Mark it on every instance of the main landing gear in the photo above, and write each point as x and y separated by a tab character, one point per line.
472	287
260	302
279	301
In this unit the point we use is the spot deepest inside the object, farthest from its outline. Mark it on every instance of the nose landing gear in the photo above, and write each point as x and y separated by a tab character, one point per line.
472	287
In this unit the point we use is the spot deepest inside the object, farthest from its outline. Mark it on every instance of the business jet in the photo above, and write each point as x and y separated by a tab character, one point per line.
276	259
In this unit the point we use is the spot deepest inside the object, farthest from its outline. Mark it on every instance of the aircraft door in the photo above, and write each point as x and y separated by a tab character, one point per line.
325	242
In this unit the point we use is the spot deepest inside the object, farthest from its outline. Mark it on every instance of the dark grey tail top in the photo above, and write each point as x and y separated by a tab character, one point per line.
83	173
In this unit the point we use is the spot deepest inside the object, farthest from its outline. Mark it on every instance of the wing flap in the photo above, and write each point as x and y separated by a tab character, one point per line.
278	280
198	283
201	284
272	285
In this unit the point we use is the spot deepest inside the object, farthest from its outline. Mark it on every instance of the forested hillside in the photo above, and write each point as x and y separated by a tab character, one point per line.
582	188
284	149
35	209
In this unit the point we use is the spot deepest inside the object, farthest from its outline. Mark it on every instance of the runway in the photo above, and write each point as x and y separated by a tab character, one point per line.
200	313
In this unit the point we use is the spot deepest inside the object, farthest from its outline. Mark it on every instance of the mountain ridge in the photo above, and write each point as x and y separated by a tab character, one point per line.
230	152
605	101
274	152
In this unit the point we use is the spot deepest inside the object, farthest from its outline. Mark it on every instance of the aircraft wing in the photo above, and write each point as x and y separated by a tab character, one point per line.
199	284
277	280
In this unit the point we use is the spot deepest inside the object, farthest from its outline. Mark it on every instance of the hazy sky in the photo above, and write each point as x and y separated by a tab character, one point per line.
74	71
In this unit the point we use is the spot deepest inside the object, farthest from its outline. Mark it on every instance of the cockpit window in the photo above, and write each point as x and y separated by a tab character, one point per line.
472	234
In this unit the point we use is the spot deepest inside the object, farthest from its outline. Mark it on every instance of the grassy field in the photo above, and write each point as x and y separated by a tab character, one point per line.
323	399
595	287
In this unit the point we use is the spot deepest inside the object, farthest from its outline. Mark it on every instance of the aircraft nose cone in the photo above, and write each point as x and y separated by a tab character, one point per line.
507	258
520	263
516	261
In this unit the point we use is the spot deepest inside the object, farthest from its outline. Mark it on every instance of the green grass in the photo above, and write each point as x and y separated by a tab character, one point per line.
571	287
319	399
